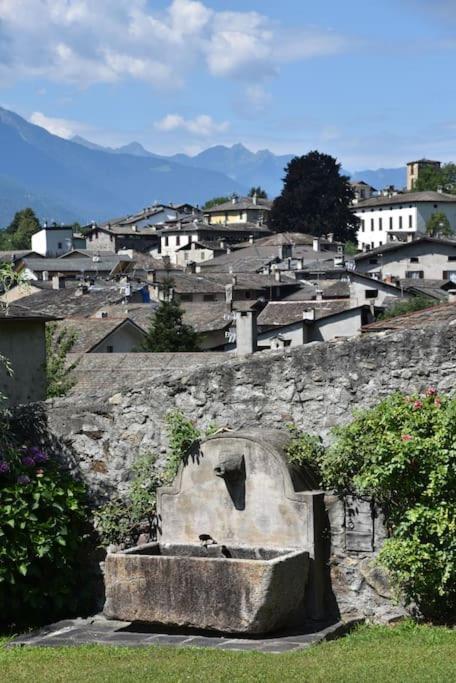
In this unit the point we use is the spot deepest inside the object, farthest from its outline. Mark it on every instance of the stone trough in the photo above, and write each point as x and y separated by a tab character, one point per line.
236	549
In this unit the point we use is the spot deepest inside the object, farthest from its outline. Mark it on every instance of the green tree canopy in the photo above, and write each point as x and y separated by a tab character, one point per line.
315	199
260	193
434	179
438	225
215	202
167	333
18	234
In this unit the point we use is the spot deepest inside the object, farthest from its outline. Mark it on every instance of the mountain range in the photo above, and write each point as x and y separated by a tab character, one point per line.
77	180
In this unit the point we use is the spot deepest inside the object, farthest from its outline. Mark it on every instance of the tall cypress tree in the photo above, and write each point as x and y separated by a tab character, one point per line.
315	199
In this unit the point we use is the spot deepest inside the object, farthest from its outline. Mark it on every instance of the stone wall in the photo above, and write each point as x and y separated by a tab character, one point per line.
316	386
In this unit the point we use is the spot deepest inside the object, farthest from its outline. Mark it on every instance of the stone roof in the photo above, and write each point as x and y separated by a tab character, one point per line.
19	312
406	198
70	302
279	313
241	204
91	331
396	245
16	255
98	373
210	282
417	320
219	229
292	238
74	265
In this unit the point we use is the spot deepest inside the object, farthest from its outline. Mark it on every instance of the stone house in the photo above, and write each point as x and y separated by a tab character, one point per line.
104	335
197	251
52	241
93	266
426	258
23	345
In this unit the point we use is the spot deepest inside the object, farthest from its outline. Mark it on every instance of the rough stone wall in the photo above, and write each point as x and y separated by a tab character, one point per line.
316	386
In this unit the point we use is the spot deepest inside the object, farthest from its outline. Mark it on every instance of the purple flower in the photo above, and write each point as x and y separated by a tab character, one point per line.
40	457
23	479
28	461
4	467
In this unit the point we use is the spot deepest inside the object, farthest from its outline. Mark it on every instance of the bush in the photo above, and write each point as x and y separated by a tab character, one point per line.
122	520
43	526
403	454
416	303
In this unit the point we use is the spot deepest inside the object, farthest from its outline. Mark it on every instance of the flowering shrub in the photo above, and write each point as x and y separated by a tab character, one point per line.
43	525
403	453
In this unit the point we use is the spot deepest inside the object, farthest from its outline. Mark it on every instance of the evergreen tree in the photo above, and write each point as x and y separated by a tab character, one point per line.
167	332
260	193
215	202
315	199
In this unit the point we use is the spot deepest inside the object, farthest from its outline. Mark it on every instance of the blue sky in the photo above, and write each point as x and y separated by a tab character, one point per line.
371	83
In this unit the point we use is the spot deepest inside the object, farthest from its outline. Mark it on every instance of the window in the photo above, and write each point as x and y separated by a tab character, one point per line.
110	349
380	223
414	275
373	261
410	221
449	275
371	293
400	222
59	245
391	223
166	241
451	258
209	297
414	259
372	224
362	225
186	297
178	240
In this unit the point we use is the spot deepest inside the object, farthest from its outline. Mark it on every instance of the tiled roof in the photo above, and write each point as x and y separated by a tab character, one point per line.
286	312
417	320
19	312
69	302
396	245
91	331
406	198
241	204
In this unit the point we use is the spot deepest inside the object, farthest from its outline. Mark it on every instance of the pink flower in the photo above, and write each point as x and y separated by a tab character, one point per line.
417	405
406	437
431	391
437	403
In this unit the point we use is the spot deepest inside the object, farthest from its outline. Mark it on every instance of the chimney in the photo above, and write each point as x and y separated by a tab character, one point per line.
331	237
229	294
278	276
101	314
228	249
318	295
151	276
339	260
234	279
309	314
285	251
222	244
58	282
190	267
246	332
134	228
452	296
316	244
251	239
45	275
254	198
299	263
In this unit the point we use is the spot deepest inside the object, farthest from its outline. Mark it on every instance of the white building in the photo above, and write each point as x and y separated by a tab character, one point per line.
53	241
401	217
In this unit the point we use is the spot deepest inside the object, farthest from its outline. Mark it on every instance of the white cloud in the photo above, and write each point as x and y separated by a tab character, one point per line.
202	126
103	41
61	127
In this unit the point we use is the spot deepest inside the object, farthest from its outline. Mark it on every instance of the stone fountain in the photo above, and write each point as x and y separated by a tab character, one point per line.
239	545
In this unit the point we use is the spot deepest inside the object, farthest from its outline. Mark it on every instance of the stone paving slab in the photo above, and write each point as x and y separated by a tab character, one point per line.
100	631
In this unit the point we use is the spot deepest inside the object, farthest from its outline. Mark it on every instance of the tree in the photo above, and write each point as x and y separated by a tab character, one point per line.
22	227
433	179
315	199
438	225
260	193
215	202
167	332
59	343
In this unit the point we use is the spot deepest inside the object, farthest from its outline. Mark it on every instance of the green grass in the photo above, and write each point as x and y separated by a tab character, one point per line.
404	654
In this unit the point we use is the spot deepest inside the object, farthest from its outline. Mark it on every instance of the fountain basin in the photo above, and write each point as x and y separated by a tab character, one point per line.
221	588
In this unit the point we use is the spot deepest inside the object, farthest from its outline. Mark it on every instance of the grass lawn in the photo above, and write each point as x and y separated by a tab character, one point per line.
405	654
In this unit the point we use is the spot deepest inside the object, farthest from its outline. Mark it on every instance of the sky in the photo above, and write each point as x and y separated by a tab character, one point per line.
371	83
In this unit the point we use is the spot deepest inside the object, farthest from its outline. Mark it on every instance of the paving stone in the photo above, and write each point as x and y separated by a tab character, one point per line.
205	641
278	646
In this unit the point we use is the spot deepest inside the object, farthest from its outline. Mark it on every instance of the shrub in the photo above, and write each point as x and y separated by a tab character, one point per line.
416	303
305	451
122	520
403	453
43	527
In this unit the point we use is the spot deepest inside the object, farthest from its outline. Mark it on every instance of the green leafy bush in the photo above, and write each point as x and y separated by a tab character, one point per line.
305	450
403	453
122	520
43	527
416	303
182	435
